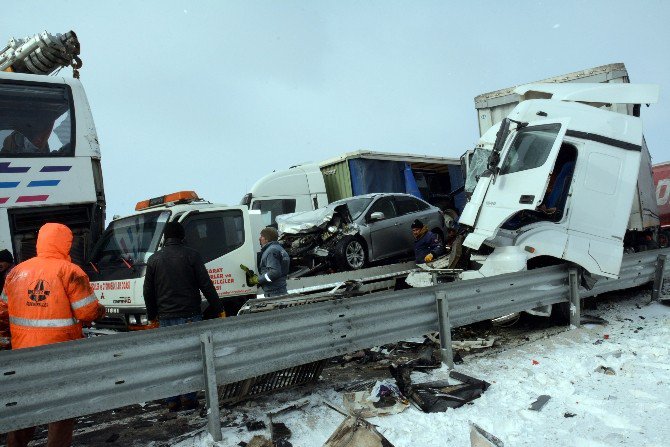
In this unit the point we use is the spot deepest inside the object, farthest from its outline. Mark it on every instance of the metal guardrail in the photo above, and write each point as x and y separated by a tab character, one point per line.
77	378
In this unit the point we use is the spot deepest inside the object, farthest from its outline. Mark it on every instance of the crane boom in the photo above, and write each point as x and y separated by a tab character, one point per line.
41	54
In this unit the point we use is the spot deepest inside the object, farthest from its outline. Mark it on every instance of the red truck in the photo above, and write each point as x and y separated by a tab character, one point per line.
661	172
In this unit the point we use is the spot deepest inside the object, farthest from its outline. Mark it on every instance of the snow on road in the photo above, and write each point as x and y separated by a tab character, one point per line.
588	407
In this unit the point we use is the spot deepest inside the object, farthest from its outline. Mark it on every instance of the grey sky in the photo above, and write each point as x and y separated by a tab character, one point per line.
212	95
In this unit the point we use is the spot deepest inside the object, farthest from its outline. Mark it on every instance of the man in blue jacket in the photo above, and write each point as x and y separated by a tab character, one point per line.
427	245
273	264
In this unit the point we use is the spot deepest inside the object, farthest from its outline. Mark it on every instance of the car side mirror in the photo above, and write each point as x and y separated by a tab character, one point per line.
377	215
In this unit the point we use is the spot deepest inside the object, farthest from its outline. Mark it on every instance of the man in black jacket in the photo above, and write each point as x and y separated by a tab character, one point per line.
174	278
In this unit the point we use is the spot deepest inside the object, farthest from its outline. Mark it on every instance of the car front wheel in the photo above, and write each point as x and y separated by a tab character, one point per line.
350	254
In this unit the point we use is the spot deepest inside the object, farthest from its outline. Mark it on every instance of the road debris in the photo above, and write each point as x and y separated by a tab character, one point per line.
539	403
259	441
466	345
255	425
295	406
481	438
592	319
280	434
384	399
605	370
356	432
438	396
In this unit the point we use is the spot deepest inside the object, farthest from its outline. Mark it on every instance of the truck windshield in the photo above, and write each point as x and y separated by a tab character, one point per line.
35	121
356	205
530	149
131	239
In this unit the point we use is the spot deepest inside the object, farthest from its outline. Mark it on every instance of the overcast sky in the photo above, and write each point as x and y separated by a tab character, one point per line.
213	95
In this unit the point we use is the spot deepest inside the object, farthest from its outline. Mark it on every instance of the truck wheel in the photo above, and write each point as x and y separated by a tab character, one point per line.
350	254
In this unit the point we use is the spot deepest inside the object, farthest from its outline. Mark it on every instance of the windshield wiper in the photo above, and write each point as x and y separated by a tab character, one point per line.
94	267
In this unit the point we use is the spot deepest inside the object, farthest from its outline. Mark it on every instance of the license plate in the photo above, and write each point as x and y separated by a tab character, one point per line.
113	310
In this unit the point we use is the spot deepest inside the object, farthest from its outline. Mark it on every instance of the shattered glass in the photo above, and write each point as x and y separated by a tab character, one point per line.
477	166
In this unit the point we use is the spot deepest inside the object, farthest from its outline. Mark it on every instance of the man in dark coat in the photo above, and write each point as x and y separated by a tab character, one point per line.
427	245
173	281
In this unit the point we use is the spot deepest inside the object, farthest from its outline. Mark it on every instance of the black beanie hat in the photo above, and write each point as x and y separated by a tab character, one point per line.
417	224
6	256
174	230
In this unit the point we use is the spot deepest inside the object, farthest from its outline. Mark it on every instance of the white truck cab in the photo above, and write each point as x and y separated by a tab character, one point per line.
299	188
223	235
561	179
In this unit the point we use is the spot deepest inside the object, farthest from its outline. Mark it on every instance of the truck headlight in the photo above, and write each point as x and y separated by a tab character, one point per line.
144	319
332	229
131	319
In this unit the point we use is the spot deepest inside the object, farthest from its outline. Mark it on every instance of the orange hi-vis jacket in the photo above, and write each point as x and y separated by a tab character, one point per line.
46	297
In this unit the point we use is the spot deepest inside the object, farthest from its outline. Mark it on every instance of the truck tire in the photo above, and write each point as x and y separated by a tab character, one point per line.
350	253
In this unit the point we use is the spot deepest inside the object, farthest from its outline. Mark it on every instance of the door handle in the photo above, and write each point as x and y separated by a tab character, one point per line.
526	199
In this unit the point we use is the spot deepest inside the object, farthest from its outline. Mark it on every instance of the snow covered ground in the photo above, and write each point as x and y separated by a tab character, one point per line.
586	408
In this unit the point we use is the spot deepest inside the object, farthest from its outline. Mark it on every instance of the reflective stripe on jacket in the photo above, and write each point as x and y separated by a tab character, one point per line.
46	296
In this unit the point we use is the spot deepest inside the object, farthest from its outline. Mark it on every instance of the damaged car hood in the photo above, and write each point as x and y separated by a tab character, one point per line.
311	221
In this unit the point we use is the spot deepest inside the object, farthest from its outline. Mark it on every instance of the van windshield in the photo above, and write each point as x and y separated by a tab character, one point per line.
131	239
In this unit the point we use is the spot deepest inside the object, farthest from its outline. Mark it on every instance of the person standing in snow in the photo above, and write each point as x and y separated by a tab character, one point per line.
427	245
44	300
273	264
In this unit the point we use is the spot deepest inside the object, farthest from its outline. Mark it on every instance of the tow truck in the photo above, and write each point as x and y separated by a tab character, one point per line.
225	237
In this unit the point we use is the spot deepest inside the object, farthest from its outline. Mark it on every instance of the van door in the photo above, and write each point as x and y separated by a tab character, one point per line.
521	179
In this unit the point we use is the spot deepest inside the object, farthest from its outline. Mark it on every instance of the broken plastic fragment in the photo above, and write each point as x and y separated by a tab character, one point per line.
539	402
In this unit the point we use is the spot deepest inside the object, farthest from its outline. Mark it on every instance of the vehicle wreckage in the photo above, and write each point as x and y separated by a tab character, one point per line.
318	240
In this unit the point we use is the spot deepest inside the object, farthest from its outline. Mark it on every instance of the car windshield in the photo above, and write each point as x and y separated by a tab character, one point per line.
132	239
356	205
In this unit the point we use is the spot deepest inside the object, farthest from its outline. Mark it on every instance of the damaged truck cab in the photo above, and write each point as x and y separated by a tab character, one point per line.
561	179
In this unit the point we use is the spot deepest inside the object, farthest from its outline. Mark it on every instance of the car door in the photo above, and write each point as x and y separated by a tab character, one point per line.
408	210
383	233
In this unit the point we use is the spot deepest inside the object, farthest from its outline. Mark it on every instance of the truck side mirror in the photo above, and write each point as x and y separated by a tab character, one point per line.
377	215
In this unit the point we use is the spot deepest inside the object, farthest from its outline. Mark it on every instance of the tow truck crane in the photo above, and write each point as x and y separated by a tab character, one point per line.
42	54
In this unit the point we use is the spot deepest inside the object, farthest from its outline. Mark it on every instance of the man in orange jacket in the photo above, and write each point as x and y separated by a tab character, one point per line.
45	299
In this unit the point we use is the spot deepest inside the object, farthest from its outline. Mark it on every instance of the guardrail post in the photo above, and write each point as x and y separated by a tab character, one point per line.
444	325
575	304
212	397
658	279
